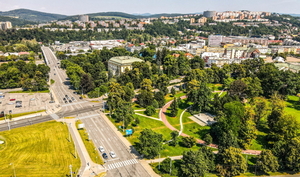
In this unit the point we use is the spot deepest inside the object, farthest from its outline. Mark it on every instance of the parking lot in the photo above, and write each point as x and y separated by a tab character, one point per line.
24	102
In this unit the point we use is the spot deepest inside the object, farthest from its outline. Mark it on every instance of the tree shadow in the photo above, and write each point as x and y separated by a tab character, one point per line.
293	104
262	139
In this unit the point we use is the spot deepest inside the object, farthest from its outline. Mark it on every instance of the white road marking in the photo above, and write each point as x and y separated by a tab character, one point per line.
122	164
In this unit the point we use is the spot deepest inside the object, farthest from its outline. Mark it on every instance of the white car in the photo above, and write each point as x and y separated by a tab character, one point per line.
112	154
101	149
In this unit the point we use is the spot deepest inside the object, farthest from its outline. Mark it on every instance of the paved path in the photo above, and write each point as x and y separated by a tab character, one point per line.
154	118
162	116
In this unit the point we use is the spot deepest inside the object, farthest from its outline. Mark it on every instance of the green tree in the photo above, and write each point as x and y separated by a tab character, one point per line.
150	110
160	98
174	138
174	108
188	141
173	92
150	143
231	162
267	162
194	164
208	139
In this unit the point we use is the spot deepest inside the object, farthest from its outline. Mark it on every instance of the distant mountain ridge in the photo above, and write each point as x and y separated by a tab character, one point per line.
27	16
32	15
16	21
103	15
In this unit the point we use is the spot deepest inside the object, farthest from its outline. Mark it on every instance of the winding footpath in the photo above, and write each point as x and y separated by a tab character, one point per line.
162	116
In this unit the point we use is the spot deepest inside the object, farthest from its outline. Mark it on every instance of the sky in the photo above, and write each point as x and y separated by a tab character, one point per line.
76	7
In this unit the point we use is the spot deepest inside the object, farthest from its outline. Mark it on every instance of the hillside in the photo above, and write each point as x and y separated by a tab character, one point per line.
114	15
16	21
31	15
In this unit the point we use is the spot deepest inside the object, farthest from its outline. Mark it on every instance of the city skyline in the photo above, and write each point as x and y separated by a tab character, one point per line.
75	7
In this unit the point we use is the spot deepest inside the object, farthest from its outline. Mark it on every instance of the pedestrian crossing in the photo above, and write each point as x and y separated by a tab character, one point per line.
122	164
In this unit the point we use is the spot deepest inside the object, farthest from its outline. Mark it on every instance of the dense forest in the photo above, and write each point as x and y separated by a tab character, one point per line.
29	76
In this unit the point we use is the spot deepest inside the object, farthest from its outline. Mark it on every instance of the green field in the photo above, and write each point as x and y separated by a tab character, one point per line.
38	150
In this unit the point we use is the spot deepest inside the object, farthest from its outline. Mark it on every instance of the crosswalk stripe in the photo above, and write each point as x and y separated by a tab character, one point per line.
122	163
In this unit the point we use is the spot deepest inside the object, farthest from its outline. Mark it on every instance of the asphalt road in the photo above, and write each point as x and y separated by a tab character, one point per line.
125	164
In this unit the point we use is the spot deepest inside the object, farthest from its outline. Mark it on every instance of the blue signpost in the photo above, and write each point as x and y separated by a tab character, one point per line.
129	132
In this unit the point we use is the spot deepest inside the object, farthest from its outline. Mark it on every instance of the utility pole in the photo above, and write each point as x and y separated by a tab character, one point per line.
8	125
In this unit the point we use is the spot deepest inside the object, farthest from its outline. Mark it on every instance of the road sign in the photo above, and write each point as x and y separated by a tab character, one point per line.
129	132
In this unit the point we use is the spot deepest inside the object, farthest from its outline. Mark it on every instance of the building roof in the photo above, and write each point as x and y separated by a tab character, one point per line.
125	59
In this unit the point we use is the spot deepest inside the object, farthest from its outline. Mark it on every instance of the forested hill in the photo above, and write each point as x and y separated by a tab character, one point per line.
16	21
31	15
115	15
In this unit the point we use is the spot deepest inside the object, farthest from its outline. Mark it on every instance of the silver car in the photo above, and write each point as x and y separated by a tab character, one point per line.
112	154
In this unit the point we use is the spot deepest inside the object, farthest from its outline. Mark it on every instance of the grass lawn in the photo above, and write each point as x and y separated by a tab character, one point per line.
293	106
156	115
38	150
155	125
22	114
92	150
29	91
169	97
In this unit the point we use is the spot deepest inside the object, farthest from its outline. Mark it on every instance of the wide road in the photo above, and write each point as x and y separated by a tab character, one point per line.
125	164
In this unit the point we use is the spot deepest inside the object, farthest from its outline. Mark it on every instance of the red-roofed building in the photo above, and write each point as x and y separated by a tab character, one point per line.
189	56
275	41
23	53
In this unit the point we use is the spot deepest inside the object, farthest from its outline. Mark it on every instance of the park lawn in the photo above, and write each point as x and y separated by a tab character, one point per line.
156	115
92	150
38	150
155	125
216	87
169	97
293	106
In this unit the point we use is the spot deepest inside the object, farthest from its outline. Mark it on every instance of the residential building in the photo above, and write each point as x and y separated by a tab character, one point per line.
5	25
83	18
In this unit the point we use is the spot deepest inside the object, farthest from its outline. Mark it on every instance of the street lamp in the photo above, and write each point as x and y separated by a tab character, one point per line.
8	125
13	168
71	170
170	165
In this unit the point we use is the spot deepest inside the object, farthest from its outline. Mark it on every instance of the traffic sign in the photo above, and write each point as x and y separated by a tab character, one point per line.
129	132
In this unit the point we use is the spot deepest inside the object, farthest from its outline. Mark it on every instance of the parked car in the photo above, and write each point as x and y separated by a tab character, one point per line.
13	99
101	149
112	154
104	155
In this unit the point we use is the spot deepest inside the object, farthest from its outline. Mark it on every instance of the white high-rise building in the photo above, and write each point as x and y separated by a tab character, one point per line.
5	25
84	18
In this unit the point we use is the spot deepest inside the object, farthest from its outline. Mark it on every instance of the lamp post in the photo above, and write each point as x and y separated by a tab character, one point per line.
159	161
13	168
170	165
71	173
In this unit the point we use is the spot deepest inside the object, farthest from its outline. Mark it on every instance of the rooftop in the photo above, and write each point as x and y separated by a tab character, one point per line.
125	59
